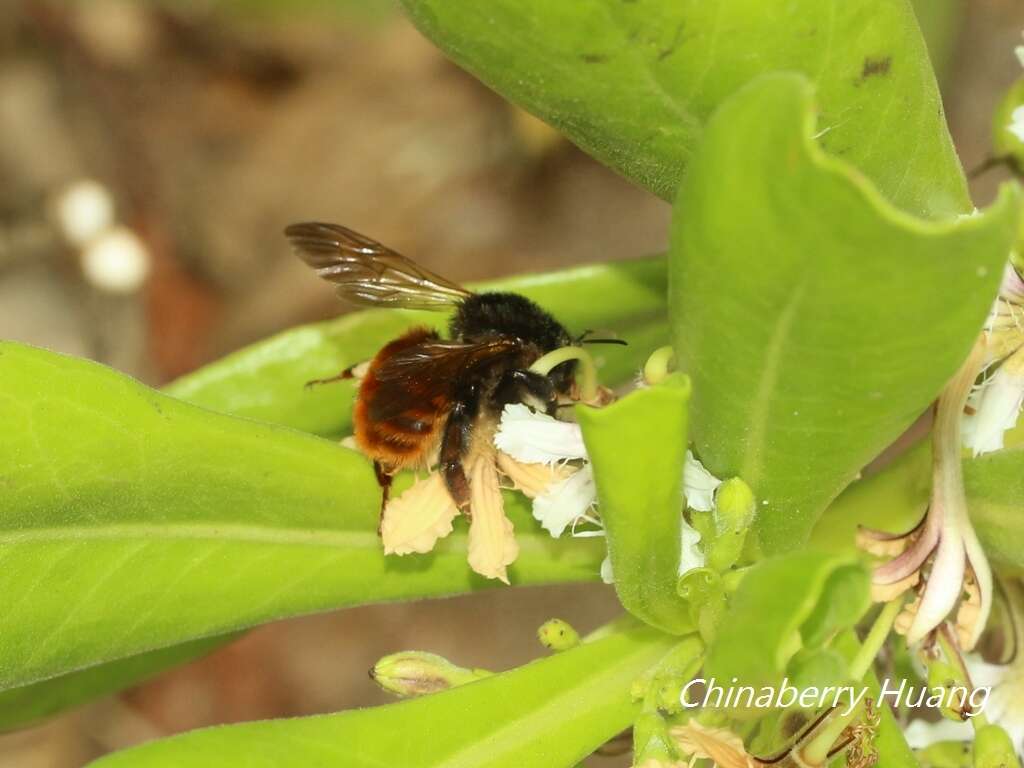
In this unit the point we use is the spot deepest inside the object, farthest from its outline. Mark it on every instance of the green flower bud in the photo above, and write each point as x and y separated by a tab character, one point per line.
702	588
944	675
734	513
414	673
558	635
652	744
993	749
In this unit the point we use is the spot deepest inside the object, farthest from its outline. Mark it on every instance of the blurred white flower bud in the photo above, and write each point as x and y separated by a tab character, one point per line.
83	210
117	261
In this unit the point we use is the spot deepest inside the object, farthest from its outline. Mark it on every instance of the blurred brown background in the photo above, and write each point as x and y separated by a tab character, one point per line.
150	155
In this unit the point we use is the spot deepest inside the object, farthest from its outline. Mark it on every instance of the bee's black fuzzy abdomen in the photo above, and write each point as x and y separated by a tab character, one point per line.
507	314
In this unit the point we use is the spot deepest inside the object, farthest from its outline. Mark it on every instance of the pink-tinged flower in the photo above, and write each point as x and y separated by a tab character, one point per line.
941	558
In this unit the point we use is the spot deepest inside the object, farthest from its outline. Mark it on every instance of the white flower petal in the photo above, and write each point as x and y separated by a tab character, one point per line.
920	733
606	570
699	485
492	542
1016	126
982	673
1019	50
565	501
532	479
945	583
536	438
998	409
415	520
691	555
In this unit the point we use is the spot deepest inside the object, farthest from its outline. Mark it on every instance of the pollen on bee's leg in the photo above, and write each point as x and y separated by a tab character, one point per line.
492	542
415	520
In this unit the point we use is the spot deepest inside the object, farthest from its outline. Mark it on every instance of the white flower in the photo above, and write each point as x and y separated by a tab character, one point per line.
923	733
536	438
1016	126
1006	701
700	485
566	501
997	407
690	554
1005	707
995	403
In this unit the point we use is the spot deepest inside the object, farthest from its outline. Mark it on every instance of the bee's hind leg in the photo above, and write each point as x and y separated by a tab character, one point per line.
384	479
357	372
458	431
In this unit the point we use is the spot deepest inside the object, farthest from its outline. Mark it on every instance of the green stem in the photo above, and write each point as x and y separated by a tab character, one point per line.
588	371
657	365
816	751
952	653
861	663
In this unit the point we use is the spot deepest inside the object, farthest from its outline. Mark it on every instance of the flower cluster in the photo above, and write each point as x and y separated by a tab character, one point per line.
942	557
569	501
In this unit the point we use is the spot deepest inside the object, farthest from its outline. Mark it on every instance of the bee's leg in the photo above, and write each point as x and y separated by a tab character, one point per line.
357	371
458	432
384	479
517	384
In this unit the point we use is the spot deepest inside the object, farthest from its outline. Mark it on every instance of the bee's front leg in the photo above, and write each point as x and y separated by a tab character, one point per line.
520	385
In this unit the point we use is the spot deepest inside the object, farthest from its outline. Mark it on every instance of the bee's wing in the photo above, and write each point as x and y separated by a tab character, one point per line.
369	273
428	372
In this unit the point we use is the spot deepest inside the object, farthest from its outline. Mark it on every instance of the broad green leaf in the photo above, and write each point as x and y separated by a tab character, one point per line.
816	320
637	447
132	521
551	712
634	82
266	381
848	600
24	706
781	598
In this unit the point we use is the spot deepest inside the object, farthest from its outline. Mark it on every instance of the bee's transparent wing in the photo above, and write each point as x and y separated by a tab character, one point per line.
369	273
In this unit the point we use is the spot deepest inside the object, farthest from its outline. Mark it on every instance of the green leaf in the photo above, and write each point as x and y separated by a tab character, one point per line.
24	706
637	447
551	712
633	83
781	597
132	521
849	599
266	380
816	320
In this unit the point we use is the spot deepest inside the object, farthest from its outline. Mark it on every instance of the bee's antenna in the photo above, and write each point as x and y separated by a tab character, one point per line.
621	342
583	339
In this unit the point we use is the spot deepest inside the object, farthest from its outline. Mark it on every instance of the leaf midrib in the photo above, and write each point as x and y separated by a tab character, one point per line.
231	532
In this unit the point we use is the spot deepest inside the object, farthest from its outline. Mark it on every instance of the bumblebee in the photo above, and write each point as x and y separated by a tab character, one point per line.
423	399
